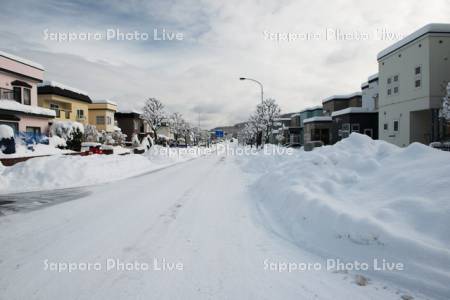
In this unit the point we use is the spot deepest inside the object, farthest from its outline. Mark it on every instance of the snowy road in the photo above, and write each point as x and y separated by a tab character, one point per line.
198	213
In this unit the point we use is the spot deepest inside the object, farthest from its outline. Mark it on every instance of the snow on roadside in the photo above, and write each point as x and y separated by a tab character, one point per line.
65	171
361	200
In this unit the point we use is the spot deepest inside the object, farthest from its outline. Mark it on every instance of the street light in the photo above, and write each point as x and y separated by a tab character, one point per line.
262	101
260	85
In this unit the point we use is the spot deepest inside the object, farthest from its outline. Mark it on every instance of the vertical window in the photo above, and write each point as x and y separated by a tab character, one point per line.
26	96
418	83
389	92
396	90
418	70
80	114
396	125
108	120
17	93
385	126
55	107
418	76
396	78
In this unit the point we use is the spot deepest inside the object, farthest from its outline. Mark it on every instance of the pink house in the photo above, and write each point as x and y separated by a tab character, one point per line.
18	95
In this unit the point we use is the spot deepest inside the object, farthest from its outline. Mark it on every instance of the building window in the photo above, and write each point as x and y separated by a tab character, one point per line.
418	83
396	125
26	96
355	127
386	127
80	114
55	107
108	120
389	92
396	78
33	130
17	93
100	120
418	70
389	80
396	90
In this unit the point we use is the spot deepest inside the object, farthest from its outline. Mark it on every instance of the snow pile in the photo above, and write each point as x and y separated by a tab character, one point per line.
6	132
64	171
361	200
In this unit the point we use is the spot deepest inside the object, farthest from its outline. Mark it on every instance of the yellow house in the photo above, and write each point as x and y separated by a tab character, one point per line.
68	103
101	114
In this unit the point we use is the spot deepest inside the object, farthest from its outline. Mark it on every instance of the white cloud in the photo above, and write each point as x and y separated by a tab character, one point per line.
224	40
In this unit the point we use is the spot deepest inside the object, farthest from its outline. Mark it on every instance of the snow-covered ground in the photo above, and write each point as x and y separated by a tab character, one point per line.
67	171
362	200
229	227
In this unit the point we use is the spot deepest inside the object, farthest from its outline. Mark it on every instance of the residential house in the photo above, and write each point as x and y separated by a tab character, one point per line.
364	119
131	123
413	74
280	133
307	113
101	114
318	129
18	95
69	104
321	128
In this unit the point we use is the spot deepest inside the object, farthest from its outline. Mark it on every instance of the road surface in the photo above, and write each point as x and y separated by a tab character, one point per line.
196	219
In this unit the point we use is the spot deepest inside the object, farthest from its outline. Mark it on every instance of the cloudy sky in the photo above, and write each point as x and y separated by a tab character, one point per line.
335	48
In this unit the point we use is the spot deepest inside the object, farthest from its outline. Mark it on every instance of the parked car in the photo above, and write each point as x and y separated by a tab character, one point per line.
309	146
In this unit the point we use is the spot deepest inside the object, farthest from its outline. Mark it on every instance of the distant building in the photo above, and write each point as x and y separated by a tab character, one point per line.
130	123
364	119
101	114
321	128
18	95
413	74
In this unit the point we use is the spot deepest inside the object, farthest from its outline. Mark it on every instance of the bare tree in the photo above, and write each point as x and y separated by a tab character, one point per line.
177	124
153	114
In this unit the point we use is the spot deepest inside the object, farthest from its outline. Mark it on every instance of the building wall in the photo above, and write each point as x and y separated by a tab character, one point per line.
66	104
370	96
93	114
363	120
309	128
33	121
432	57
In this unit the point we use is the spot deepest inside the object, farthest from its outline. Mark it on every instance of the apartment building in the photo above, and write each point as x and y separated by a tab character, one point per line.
413	74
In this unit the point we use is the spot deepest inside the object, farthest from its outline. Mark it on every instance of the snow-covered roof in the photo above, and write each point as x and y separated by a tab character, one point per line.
28	109
430	28
312	108
130	111
282	119
53	83
22	60
365	85
295	115
373	77
103	101
342	97
350	110
318	119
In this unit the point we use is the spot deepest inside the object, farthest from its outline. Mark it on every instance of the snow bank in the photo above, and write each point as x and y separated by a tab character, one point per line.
39	149
362	199
64	171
